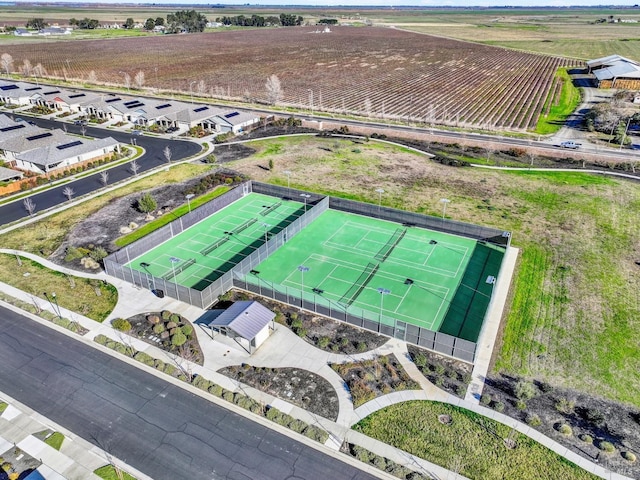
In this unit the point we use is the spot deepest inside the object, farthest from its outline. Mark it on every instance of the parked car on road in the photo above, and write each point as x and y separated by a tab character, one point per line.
80	122
136	132
571	144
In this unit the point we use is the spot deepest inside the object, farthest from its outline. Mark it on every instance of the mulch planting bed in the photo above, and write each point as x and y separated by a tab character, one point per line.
373	378
159	329
18	462
321	332
302	388
592	420
451	375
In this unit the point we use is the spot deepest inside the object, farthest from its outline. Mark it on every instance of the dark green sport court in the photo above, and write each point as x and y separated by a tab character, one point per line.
376	269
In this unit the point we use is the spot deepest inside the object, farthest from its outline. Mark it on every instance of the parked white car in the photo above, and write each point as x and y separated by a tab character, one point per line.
570	144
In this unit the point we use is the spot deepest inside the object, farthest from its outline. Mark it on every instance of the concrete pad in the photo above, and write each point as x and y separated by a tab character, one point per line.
4	445
281	405
10	413
48	455
333	442
47	472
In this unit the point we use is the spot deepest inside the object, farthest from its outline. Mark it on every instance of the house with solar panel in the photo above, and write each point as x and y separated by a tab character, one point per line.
38	150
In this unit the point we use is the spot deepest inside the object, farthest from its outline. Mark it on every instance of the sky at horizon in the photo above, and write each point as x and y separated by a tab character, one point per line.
362	3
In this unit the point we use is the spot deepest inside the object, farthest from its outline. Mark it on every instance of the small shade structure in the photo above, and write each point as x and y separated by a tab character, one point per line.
247	322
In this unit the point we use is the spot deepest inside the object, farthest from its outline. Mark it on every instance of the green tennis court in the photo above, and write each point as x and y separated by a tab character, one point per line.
384	271
210	248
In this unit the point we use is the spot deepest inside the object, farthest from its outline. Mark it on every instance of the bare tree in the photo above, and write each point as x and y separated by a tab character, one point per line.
26	67
7	62
104	178
127	80
134	167
29	206
139	79
39	71
274	89
167	153
532	156
83	130
64	127
489	149
68	192
201	87
92	77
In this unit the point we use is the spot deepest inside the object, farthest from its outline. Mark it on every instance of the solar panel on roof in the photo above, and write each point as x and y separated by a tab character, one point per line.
135	105
231	115
12	127
113	100
69	145
51	92
31	89
4	88
201	109
160	107
77	95
39	136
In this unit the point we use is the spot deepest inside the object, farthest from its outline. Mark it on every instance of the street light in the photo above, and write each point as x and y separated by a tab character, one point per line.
380	192
288	174
146	266
444	202
191	90
382	292
189	197
302	269
173	261
305	196
266	227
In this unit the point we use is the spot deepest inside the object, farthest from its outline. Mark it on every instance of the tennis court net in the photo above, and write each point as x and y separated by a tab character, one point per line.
385	251
243	227
207	250
179	268
363	280
270	209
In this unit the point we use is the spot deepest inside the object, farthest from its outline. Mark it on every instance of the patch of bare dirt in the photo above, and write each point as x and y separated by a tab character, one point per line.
373	378
300	387
159	328
593	420
451	375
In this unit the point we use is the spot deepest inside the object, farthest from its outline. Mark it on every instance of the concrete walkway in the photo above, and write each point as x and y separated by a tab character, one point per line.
285	349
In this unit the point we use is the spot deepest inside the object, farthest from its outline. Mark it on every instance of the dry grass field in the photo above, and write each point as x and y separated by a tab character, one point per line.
575	310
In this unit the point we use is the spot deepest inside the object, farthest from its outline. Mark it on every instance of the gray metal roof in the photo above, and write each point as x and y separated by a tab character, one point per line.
618	69
56	152
8	174
608	60
246	318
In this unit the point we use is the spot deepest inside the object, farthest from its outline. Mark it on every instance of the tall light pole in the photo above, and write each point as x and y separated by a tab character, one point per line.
444	202
624	134
305	196
266	231
380	192
382	291
189	197
146	266
302	269
288	174
173	261
191	90
56	311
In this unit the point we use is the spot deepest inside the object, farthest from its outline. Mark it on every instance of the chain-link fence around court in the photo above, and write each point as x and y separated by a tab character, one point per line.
315	204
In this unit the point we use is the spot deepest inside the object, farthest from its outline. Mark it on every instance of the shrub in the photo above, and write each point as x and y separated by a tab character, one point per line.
520	405
629	456
170	369
175	318
146	203
187	329
466	378
498	406
201	383
606	447
178	339
301	332
323	342
361	347
215	390
545	387
485	399
72	253
121	324
145	358
98	254
153	319
228	396
439	369
588	439
533	420
565	430
315	433
158	328
592	415
62	322
101	339
295	322
171	325
565	405
165	314
274	414
524	390
297	426
361	453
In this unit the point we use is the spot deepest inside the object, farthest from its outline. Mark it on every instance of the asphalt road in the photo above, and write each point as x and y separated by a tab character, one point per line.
158	428
152	158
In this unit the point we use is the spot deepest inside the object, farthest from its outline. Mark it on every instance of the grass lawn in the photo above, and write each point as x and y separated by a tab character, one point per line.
46	235
55	440
169	217
108	472
472	441
74	293
575	310
560	108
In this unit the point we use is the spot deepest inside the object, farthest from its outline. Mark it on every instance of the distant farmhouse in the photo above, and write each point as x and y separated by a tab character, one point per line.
615	71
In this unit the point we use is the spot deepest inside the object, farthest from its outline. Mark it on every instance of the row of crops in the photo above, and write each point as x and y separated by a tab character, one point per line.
376	72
